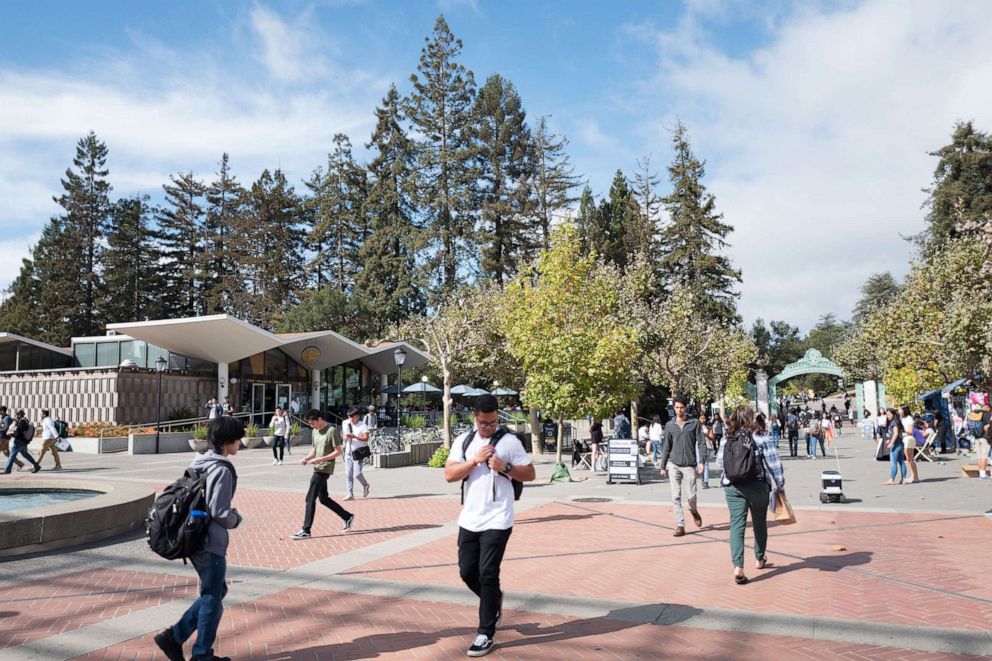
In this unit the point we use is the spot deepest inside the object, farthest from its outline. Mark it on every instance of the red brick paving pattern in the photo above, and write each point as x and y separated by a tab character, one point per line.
578	550
302	624
271	517
42	608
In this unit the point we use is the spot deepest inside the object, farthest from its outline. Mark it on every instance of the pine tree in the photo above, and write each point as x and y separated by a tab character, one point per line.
506	168
553	179
389	282
340	222
181	229
587	222
440	111
219	262
131	264
695	233
19	311
962	184
271	238
620	232
67	259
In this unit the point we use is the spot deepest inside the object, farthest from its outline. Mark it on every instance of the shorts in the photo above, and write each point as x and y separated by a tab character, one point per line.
909	441
982	447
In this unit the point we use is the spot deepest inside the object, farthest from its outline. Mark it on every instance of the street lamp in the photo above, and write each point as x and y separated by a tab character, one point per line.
160	365
399	357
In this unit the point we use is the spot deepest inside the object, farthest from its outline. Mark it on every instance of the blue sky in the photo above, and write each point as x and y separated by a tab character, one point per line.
814	118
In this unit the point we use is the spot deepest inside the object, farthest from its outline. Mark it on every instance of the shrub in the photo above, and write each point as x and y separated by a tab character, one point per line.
200	432
251	430
439	458
414	421
181	413
295	429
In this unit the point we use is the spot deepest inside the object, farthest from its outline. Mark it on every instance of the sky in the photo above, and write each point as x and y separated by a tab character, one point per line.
815	119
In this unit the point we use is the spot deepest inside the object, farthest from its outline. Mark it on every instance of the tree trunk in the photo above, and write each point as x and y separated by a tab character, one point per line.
536	447
561	436
446	433
635	423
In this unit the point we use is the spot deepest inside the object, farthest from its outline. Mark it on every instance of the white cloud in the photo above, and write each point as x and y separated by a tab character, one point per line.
818	141
290	49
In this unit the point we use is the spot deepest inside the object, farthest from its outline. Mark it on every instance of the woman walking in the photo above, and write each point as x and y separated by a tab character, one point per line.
280	428
909	443
748	491
894	444
595	439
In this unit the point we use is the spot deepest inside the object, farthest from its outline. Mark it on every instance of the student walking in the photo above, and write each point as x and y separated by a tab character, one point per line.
792	425
224	436
656	433
682	452
486	460
280	429
6	427
749	490
20	439
356	436
49	437
326	447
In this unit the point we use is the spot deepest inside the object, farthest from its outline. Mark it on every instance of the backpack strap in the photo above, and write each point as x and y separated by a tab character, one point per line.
494	439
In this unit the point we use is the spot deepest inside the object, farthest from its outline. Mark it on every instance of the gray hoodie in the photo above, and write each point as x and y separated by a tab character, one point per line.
683	446
221	483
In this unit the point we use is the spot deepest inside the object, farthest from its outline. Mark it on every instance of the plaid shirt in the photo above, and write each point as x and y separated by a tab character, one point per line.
771	463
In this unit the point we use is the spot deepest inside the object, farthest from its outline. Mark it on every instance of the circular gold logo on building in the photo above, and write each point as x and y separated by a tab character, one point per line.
310	355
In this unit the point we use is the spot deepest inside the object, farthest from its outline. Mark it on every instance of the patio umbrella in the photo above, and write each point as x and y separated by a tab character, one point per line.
391	390
476	392
422	388
463	390
504	391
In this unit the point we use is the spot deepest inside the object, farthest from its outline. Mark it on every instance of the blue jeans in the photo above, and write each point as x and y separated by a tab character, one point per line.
897	462
706	464
19	449
655	450
204	615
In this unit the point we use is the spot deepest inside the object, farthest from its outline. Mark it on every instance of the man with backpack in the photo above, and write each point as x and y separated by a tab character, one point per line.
492	464
6	423
814	433
682	451
49	437
792	425
210	559
21	436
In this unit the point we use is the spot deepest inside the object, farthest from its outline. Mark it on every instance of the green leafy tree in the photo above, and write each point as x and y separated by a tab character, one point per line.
505	165
134	280
180	227
564	324
390	280
330	309
225	199
440	112
962	184
553	179
694	235
876	293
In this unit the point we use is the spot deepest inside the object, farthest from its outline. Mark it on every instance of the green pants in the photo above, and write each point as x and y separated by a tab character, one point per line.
751	496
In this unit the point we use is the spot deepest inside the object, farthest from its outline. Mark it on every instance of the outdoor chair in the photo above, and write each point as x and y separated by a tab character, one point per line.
925	452
581	456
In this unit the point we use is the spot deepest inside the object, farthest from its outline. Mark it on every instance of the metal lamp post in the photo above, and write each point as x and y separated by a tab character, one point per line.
399	357
160	365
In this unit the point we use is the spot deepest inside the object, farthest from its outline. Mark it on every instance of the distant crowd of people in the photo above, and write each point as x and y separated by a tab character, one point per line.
17	433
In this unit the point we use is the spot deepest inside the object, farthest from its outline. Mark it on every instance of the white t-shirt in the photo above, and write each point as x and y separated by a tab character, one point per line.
483	511
881	420
643	434
907	424
826	423
280	425
656	431
359	428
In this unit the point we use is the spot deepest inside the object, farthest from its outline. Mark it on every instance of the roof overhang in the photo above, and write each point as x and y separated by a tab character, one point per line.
380	358
6	338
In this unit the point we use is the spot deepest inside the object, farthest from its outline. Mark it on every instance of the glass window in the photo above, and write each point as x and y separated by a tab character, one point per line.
177	362
8	357
85	354
134	350
154	353
108	354
200	367
275	364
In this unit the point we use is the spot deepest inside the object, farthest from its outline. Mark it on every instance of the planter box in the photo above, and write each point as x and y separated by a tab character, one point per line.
417	455
198	445
97	445
168	443
252	442
268	440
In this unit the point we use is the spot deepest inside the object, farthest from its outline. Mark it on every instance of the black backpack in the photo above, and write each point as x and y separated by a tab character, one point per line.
518	486
740	459
174	526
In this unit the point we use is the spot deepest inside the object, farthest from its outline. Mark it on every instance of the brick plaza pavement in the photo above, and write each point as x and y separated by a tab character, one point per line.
584	580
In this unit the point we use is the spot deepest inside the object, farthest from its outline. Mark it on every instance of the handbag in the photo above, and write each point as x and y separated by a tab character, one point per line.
63	445
784	515
358	454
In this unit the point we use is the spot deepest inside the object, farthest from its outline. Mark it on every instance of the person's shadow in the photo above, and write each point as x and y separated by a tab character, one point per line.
831	563
370	647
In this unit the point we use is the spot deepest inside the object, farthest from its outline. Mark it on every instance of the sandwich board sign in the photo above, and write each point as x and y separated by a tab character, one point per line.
623	461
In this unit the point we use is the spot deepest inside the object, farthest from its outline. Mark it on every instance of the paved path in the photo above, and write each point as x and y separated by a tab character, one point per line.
896	574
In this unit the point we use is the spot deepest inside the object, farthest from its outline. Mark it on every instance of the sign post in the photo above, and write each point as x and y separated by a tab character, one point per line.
623	461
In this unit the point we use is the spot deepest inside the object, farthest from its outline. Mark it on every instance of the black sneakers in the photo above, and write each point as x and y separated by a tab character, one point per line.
481	646
348	522
167	643
302	534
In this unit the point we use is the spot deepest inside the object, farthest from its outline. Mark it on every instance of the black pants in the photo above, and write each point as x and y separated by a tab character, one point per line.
318	491
479	557
278	444
793	443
